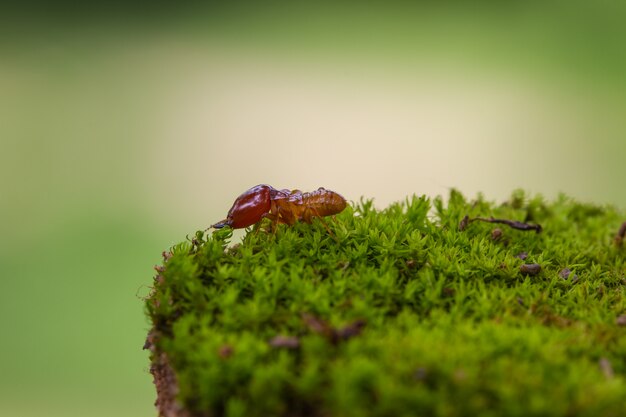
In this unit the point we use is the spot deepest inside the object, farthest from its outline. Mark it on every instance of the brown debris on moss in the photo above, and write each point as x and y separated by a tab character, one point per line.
530	269
287	342
166	387
621	234
511	223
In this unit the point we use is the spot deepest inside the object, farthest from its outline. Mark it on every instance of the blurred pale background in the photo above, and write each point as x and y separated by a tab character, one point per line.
124	130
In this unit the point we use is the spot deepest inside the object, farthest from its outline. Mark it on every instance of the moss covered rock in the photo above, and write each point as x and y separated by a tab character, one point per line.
412	310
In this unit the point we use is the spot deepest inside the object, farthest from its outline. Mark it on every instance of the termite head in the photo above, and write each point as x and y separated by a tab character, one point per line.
249	208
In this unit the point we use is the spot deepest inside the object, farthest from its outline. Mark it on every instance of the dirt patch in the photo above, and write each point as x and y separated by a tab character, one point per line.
166	384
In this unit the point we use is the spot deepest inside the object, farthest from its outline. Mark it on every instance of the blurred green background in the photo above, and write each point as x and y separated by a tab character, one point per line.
125	128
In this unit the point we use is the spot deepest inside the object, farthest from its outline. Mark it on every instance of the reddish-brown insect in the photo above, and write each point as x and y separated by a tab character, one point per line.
281	206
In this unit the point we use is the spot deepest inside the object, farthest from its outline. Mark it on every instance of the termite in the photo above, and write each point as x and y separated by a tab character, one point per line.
282	206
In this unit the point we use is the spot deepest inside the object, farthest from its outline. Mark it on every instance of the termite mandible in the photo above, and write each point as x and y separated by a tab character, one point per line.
281	206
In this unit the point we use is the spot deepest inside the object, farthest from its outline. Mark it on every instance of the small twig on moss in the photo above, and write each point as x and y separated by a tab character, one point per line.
621	234
288	342
606	368
317	325
334	335
530	269
350	330
511	223
465	221
225	351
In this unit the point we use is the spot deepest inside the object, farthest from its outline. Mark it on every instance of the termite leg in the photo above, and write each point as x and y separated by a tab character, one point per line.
330	232
273	223
275	217
321	219
256	228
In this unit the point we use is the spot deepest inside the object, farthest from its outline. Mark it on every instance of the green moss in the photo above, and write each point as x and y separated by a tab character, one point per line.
452	327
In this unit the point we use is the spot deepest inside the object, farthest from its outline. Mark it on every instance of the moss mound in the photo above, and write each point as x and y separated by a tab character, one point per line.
400	312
